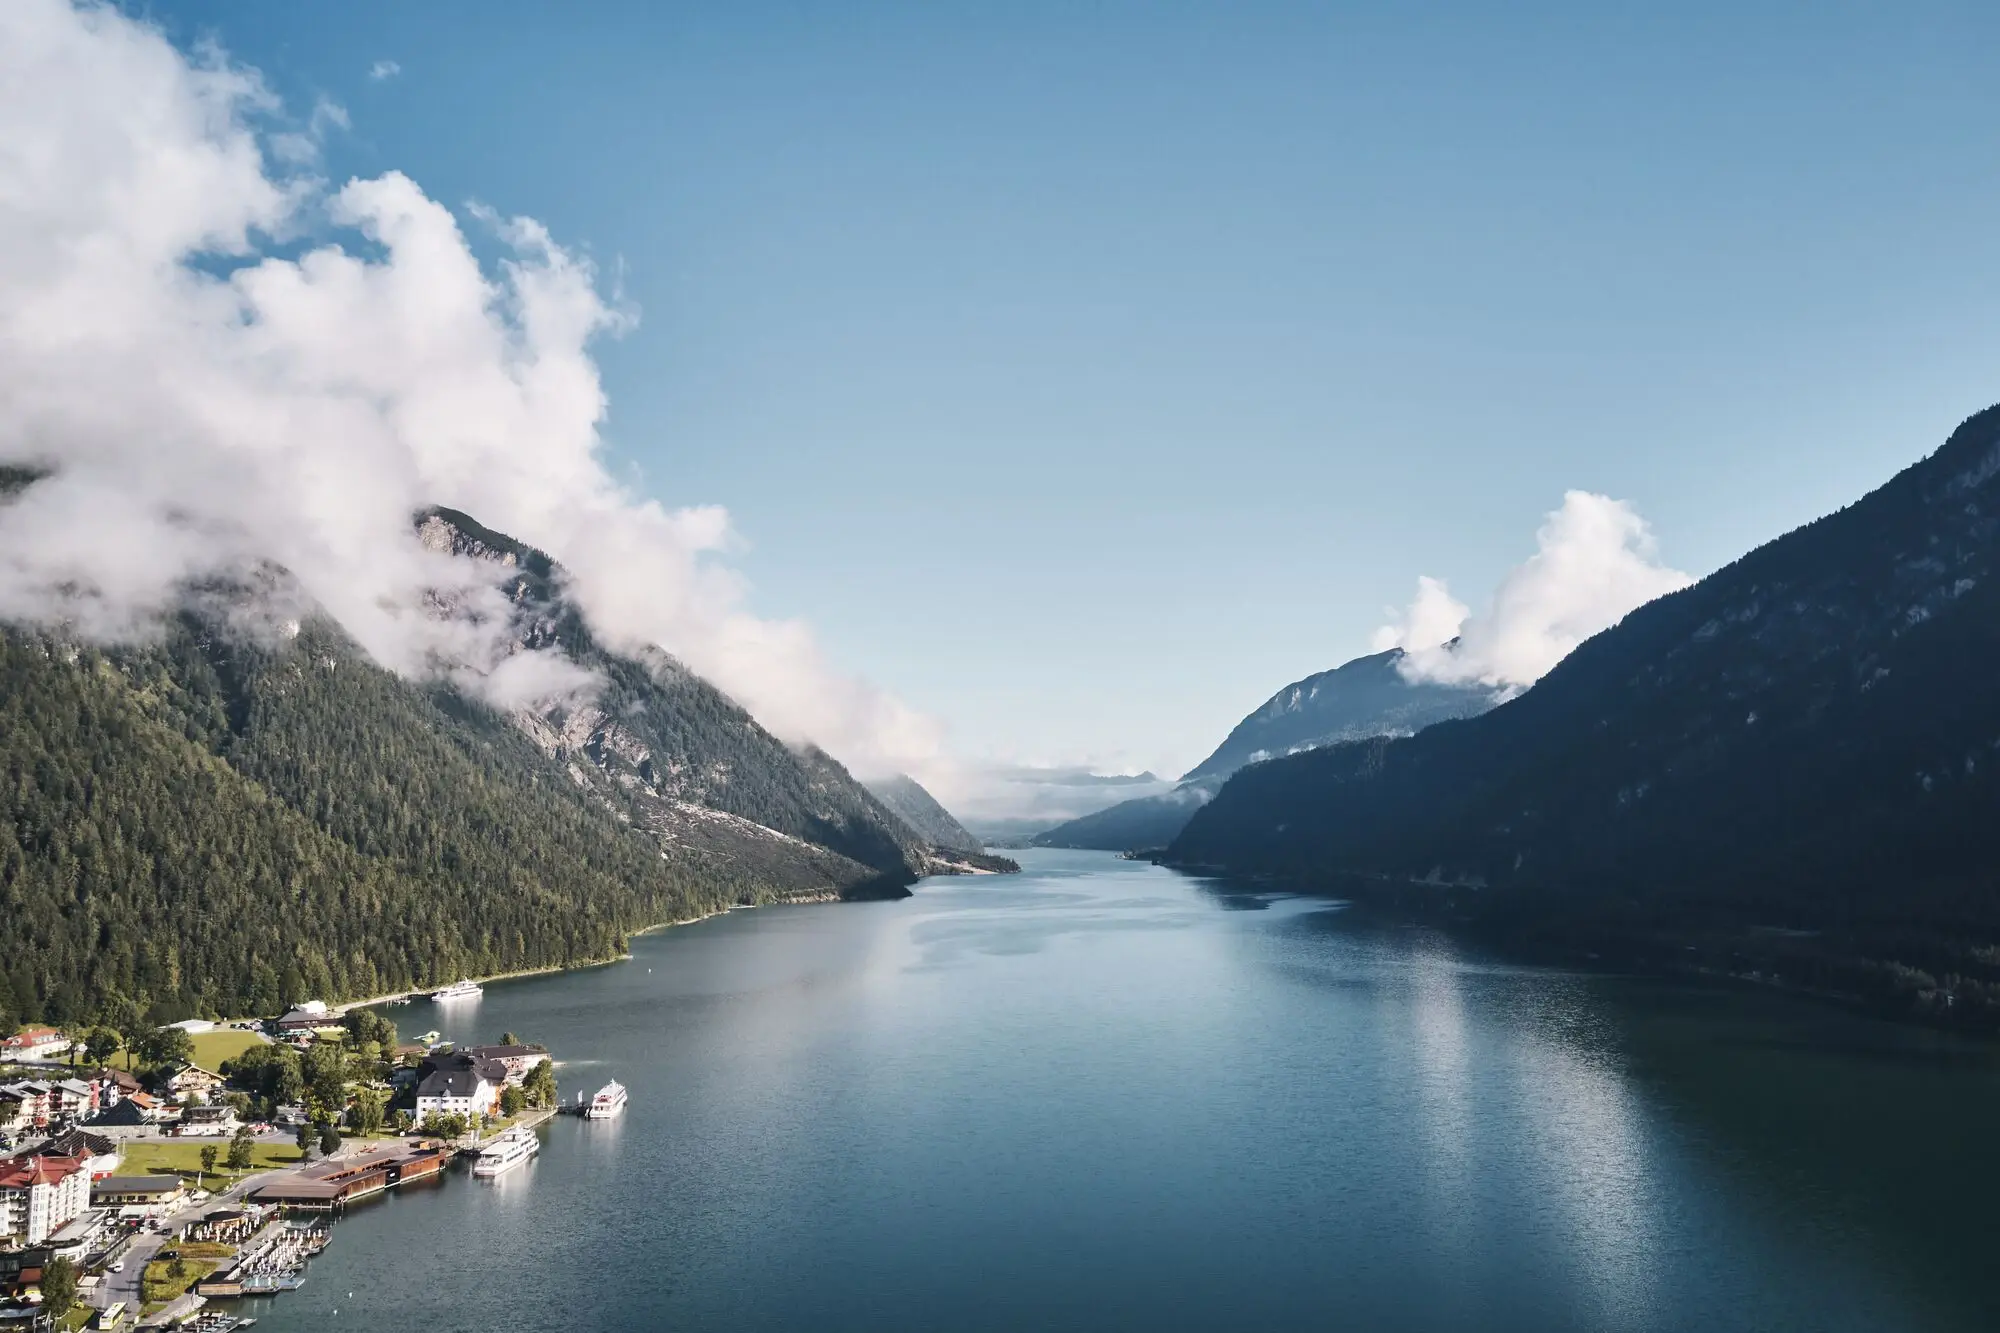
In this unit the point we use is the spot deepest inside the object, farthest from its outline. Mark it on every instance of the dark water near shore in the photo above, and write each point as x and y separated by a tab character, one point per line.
1103	1096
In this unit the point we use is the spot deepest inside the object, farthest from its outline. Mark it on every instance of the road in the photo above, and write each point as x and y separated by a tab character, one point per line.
124	1286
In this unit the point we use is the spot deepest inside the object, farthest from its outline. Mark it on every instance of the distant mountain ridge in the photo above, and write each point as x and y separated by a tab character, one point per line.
1368	696
908	800
1808	738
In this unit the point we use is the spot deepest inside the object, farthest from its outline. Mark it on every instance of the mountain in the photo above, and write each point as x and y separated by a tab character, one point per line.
1787	768
1135	825
245	813
907	800
680	751
1368	696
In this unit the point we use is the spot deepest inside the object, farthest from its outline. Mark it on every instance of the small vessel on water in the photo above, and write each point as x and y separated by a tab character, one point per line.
459	990
609	1101
431	1038
506	1152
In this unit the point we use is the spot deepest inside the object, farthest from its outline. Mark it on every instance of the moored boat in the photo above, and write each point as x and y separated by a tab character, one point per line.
609	1101
459	990
506	1152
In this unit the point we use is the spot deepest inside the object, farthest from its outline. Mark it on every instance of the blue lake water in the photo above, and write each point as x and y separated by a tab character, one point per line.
1101	1095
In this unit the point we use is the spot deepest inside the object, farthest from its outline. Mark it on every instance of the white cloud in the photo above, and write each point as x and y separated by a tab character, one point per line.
1595	560
384	69
211	403
1434	617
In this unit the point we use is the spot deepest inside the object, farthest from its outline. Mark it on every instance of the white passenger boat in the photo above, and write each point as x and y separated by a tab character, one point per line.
459	990
506	1152
609	1101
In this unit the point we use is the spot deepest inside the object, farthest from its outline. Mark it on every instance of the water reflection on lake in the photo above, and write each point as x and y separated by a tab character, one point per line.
1103	1096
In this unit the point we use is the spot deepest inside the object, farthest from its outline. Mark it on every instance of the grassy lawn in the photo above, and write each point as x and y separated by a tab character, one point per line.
157	1285
184	1159
203	1249
212	1048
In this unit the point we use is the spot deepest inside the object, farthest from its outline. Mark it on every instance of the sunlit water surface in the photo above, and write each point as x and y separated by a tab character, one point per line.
1104	1096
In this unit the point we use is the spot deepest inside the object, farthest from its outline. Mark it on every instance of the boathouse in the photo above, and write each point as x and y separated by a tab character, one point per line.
331	1184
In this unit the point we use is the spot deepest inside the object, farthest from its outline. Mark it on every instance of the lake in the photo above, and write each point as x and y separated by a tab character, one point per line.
1103	1095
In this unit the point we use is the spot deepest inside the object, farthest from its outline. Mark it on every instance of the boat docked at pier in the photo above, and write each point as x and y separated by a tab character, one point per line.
506	1152
459	990
609	1101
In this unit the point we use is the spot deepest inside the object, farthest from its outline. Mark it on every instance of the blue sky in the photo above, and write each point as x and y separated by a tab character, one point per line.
1085	373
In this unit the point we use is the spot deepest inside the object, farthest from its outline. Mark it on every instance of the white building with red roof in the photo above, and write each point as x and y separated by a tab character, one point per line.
39	1196
35	1043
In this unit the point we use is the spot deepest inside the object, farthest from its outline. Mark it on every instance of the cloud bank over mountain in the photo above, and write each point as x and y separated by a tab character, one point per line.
226	363
1595	559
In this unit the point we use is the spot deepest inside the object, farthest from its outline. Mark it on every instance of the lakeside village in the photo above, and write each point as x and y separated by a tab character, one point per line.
148	1175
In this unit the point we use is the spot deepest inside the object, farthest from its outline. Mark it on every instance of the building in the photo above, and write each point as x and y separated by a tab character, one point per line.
518	1060
36	1102
41	1195
72	1099
459	1083
16	1115
192	1081
35	1043
207	1122
113	1087
99	1154
138	1109
139	1196
325	1186
308	1017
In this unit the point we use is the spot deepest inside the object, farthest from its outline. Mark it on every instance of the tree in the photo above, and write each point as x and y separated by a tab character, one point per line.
365	1115
177	1268
242	1150
100	1044
366	1028
512	1100
208	1155
444	1126
329	1140
325	1071
541	1084
59	1287
304	1138
165	1046
509	1039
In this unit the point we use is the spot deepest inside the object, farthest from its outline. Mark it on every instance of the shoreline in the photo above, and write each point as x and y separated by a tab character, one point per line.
420	993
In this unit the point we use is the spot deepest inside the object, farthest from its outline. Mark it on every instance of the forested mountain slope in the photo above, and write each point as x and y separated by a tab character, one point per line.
907	799
1368	696
207	826
231	819
658	735
1803	744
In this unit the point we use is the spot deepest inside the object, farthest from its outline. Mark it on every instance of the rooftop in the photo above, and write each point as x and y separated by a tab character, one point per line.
138	1185
26	1171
